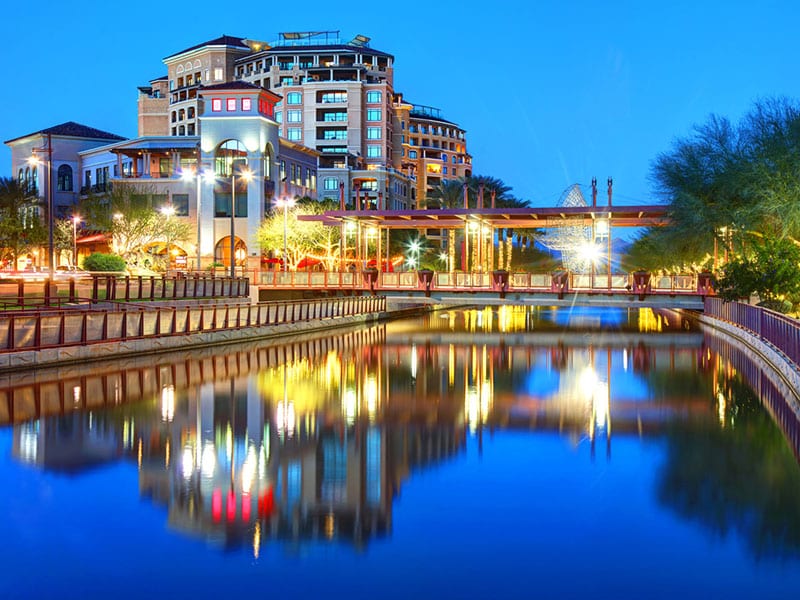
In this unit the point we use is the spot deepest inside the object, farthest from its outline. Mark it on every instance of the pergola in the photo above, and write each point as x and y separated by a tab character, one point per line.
490	219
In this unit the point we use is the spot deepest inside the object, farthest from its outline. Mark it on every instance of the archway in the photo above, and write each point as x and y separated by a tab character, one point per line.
222	252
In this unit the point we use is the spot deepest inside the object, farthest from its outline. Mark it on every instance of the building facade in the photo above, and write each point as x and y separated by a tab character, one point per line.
308	115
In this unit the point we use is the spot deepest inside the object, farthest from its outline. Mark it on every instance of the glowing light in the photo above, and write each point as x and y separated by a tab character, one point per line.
350	406
208	462
371	392
187	462
589	252
285	419
168	403
414	361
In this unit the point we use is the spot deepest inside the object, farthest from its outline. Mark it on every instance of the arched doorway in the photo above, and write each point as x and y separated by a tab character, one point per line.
222	252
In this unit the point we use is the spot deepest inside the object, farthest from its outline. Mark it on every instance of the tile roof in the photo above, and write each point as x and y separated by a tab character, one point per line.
224	40
73	129
232	85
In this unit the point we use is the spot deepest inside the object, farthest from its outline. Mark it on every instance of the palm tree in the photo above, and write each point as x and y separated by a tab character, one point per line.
20	226
449	194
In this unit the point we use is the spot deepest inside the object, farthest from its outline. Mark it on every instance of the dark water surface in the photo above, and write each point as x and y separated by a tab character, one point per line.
495	453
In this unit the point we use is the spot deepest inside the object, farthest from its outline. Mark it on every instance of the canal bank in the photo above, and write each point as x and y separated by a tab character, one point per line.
169	329
782	373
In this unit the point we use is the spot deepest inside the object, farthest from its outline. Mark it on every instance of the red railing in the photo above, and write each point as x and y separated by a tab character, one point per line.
56	328
780	331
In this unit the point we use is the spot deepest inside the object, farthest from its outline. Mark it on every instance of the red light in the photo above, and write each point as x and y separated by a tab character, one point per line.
216	505
231	506
245	507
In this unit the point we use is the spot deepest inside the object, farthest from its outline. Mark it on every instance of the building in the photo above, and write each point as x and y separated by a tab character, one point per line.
309	115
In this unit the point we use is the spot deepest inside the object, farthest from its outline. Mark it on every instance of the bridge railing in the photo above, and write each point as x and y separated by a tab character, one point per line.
55	328
777	329
637	283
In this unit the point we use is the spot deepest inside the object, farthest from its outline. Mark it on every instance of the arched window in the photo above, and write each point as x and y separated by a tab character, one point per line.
229	155
21	175
64	182
35	180
268	157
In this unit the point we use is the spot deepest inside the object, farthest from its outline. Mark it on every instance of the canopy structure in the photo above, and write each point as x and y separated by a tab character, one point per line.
522	218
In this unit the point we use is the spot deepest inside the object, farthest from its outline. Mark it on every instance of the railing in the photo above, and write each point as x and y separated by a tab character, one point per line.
57	328
619	283
780	331
96	288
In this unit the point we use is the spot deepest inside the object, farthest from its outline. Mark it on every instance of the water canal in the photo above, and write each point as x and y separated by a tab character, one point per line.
488	453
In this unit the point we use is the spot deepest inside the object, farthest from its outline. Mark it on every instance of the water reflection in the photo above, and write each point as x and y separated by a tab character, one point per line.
314	439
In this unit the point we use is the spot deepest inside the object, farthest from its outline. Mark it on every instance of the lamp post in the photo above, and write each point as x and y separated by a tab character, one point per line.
285	203
168	210
246	176
49	198
199	176
75	220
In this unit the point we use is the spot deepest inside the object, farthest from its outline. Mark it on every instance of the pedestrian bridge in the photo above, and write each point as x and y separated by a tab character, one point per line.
499	287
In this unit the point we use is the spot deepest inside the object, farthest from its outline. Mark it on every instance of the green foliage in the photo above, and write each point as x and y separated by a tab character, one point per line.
21	230
742	177
134	223
303	238
104	262
771	269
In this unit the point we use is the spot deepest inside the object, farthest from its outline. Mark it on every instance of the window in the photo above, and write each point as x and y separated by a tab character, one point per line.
331	97
216	104
373	133
373	151
294	116
412	154
64	183
230	104
334	134
246	104
279	116
218	74
373	114
180	202
294	134
373	97
222	204
334	116
330	183
287	80
294	98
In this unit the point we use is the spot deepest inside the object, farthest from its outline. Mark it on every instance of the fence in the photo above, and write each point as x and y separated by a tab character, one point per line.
779	330
56	328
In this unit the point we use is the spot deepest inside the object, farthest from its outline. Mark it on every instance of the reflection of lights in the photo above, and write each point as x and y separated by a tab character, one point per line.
257	539
329	526
721	406
168	403
285	419
371	392
76	394
350	405
625	359
208	463
187	462
28	442
600	404
473	408
249	469
413	361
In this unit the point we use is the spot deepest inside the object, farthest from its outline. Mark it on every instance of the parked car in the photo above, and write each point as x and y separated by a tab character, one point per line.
69	272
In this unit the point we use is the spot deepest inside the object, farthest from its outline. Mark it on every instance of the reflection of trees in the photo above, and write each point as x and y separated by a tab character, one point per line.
741	477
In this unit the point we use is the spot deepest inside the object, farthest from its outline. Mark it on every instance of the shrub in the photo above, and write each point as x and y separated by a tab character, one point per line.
104	262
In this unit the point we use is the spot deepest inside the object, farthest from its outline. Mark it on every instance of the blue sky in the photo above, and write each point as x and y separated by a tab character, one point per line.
550	92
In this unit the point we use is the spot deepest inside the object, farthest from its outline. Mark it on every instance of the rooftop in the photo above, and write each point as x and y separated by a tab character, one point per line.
223	40
73	129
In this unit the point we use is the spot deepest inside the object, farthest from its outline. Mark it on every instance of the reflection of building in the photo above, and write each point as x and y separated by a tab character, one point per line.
315	439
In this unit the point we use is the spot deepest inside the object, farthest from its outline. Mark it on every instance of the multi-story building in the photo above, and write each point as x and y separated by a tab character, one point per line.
310	115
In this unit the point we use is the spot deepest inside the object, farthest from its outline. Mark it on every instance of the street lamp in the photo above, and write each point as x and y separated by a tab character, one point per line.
75	220
33	160
168	210
285	203
199	175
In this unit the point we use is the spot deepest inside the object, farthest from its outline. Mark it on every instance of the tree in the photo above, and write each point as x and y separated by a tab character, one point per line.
743	177
304	239
449	194
128	214
20	227
770	269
